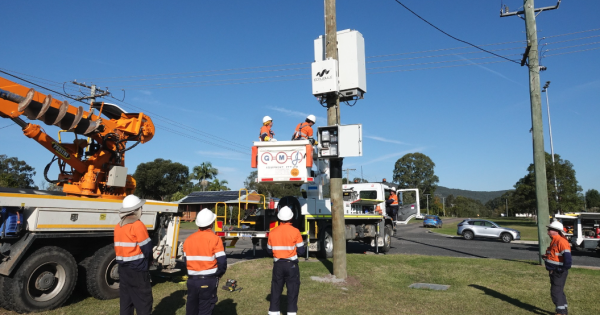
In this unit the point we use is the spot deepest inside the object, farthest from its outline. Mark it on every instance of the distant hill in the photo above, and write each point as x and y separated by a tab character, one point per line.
483	196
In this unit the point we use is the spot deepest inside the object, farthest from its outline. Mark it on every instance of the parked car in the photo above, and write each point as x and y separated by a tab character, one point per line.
432	221
471	228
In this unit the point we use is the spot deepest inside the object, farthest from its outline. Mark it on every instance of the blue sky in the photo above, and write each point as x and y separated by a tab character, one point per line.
210	70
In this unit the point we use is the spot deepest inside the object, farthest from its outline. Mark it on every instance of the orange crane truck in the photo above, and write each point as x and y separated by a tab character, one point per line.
49	240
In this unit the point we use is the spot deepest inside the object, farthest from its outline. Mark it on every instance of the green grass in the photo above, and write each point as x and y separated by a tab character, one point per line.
527	227
378	284
188	226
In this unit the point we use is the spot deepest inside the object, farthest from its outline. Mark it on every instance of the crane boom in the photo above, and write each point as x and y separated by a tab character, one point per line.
97	160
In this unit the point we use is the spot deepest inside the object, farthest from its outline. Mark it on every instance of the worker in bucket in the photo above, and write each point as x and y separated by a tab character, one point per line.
285	244
304	130
206	263
558	262
133	250
266	134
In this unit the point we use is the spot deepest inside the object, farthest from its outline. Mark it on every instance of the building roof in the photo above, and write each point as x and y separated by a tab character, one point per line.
230	196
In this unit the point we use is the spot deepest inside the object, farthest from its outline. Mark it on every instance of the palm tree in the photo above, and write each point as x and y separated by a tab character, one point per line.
218	185
203	172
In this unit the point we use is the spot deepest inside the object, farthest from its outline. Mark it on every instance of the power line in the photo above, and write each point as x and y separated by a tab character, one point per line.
571	52
460	40
7	126
306	63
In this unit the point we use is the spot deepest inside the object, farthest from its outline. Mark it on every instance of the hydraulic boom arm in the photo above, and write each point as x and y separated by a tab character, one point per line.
97	160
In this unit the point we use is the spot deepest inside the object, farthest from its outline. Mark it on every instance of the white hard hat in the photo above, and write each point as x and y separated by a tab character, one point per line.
131	202
205	218
393	188
312	118
285	214
266	118
555	225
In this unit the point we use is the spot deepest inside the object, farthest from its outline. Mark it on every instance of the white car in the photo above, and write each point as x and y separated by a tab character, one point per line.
471	228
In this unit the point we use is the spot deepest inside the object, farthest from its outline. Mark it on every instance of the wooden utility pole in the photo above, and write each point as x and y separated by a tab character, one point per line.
335	165
539	154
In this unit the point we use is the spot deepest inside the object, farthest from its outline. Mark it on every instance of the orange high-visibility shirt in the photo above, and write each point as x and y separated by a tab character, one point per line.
555	253
304	131
395	198
283	241
201	251
265	131
128	239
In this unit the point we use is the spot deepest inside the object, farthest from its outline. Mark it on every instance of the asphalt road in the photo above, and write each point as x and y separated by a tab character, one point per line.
414	239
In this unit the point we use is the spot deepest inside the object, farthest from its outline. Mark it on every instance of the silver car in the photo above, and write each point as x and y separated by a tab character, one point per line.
471	228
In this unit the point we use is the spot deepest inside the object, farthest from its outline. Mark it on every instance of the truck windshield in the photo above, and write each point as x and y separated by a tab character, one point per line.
368	194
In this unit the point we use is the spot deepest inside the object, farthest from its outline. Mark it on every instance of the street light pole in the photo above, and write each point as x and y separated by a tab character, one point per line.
506	200
551	144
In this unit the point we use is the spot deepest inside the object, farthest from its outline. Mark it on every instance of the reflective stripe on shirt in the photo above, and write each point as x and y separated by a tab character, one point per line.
202	272
144	242
125	244
200	258
283	247
554	262
295	257
300	244
132	258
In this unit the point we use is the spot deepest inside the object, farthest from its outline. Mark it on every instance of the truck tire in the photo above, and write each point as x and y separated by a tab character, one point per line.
387	238
326	239
44	281
3	294
102	274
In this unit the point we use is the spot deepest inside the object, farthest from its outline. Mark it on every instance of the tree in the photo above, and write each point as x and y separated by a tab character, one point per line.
568	188
218	185
203	172
15	173
415	170
592	200
271	190
160	179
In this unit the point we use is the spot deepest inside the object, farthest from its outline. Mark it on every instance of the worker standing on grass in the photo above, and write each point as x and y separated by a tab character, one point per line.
133	251
266	134
206	263
558	262
304	130
285	244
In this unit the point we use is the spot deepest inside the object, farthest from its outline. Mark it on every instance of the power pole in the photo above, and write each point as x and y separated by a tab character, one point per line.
545	90
348	174
427	203
335	165
539	155
506	200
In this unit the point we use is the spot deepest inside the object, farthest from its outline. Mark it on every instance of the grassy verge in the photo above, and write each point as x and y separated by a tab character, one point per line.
527	227
379	285
188	226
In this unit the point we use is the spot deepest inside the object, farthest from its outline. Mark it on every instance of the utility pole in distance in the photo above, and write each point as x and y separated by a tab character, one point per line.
427	203
539	154
335	165
348	174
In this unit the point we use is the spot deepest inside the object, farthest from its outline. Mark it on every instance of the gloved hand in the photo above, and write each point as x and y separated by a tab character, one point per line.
267	138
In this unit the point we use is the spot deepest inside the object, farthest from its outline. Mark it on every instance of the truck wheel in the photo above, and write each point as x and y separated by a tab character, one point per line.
3	292
506	237
468	235
44	281
387	238
102	274
326	244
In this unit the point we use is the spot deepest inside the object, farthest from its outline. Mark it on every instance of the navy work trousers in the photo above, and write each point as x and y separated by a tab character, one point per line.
285	272
202	295
557	290
135	291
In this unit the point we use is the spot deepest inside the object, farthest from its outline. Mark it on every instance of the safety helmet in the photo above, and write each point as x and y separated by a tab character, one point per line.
131	202
205	218
555	225
285	214
266	118
312	118
393	188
